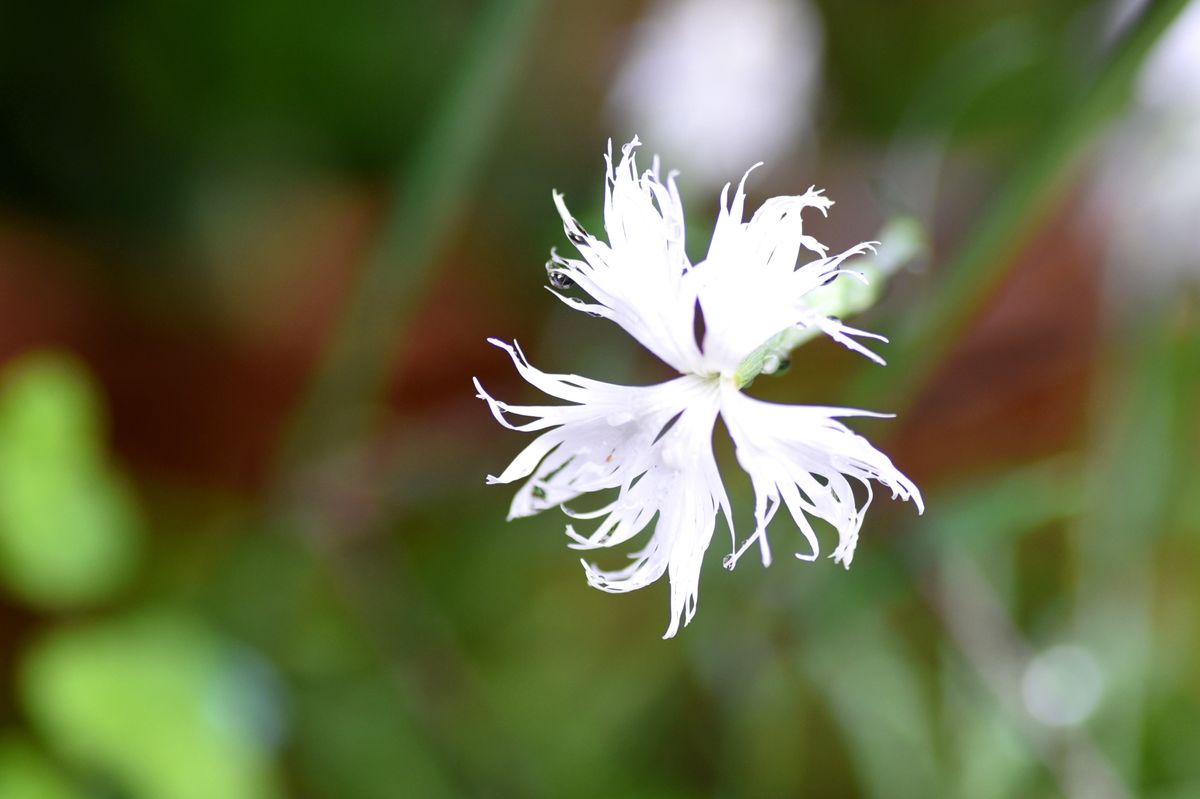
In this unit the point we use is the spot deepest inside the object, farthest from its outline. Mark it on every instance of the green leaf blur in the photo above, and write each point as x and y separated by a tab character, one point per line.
68	524
152	704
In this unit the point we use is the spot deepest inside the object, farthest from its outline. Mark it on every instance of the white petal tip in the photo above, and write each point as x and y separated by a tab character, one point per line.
495	342
578	543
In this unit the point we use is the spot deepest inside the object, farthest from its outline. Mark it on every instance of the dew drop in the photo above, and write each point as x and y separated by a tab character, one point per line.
673	457
776	364
576	233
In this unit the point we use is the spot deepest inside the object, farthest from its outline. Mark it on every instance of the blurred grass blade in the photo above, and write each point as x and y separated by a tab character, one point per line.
991	759
997	511
990	641
873	687
968	280
1129	503
426	198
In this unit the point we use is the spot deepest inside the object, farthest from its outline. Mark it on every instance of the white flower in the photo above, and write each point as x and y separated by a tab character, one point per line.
651	446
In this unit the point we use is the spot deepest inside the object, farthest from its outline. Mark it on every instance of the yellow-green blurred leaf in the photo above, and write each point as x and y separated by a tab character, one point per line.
27	773
157	703
67	521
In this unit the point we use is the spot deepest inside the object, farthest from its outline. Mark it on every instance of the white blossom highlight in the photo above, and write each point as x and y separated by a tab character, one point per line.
648	449
720	83
1153	155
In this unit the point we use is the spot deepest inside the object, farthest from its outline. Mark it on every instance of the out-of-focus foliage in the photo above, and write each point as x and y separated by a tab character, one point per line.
174	97
155	705
27	773
68	524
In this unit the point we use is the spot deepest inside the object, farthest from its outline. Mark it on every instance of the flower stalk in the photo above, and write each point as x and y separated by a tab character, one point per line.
901	241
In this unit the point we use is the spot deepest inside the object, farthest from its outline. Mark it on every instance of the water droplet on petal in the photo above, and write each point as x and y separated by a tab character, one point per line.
776	364
576	234
673	456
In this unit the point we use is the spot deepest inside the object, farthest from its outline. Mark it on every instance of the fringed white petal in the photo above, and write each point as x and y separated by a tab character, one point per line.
652	444
640	278
586	445
683	487
801	457
751	288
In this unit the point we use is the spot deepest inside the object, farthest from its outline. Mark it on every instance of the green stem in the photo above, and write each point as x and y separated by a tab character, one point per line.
1040	180
342	398
901	240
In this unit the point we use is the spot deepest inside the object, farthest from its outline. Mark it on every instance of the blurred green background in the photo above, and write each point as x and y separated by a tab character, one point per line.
249	255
